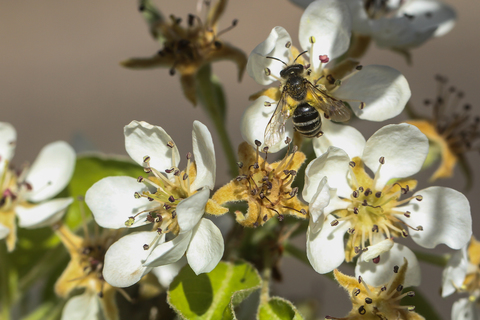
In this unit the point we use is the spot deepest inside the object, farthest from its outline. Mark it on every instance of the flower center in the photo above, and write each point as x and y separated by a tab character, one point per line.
170	189
373	212
12	187
269	186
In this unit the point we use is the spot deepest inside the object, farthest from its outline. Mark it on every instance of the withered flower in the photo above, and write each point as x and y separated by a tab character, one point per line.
451	130
187	48
267	187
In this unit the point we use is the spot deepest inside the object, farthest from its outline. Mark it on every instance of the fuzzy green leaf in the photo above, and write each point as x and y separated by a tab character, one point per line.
212	295
278	309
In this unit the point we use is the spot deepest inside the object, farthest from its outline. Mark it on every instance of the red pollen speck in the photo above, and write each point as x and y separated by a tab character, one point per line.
376	260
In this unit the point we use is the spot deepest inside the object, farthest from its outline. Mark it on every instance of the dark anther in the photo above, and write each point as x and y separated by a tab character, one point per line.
383	288
411	294
174	214
368	192
368	300
399	288
255	165
355	194
395	269
357	250
355	210
185	176
404	233
378	194
281	217
261	195
191	19
159	230
356	292
303	211
171	199
334	223
169	170
255	224
269	185
258	143
375	228
407	214
376	260
352	164
234	22
382	160
172	71
140	179
146	246
147	169
150	199
150	218
362	310
167	207
330	79
359	67
217	44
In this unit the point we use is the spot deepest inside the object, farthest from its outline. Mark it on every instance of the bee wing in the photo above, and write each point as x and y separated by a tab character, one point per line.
334	109
276	126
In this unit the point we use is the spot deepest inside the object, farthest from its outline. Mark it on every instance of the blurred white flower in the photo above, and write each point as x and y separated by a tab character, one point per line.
399	24
370	209
374	93
173	202
25	192
461	275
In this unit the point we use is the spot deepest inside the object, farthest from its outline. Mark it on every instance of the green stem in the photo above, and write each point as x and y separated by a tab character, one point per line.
210	94
226	143
431	258
5	299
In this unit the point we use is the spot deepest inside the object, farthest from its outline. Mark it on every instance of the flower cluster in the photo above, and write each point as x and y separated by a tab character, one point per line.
354	199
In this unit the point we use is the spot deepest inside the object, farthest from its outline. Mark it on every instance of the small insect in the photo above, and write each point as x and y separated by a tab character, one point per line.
303	101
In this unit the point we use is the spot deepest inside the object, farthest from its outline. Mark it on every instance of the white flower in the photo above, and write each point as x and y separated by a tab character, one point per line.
173	202
399	24
26	193
375	93
370	209
461	274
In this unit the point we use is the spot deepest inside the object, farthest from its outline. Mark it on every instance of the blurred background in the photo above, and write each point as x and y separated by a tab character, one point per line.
60	79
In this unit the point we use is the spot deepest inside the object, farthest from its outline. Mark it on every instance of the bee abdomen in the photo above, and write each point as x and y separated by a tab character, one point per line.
306	120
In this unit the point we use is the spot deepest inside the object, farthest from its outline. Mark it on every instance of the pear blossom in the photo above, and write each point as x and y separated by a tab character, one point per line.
26	193
399	24
374	92
370	209
462	274
266	187
378	302
171	200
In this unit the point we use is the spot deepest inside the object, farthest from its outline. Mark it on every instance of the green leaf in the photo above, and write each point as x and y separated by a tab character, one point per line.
277	308
212	295
90	169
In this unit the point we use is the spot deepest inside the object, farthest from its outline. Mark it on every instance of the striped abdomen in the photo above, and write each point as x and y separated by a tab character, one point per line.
306	120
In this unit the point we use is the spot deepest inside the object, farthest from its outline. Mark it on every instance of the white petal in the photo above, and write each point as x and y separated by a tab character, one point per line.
384	91
4	231
8	139
360	19
404	148
273	46
334	164
464	309
165	274
42	214
143	139
341	136
124	259
191	210
51	171
381	273
112	202
169	252
325	249
455	272
444	215
82	307
377	249
206	247
430	14
398	32
319	201
329	22
254	121
204	157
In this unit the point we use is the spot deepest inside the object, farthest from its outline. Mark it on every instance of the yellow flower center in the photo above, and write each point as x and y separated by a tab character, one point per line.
373	212
169	191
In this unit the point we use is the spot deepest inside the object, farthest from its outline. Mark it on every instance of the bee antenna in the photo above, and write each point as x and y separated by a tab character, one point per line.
299	56
277	60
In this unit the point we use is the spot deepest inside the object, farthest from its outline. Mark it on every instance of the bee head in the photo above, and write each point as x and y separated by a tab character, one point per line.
294	69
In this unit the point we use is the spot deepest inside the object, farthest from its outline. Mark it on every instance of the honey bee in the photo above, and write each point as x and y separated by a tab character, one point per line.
303	101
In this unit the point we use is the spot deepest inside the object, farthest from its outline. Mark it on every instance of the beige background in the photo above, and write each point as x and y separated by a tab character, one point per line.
60	79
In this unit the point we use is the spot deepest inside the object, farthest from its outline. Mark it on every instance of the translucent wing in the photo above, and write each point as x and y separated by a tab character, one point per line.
276	126
334	109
